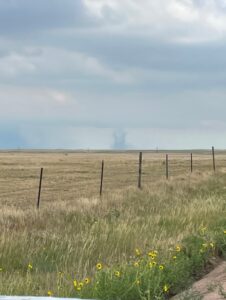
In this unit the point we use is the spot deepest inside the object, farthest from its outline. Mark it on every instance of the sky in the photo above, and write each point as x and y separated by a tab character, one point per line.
112	74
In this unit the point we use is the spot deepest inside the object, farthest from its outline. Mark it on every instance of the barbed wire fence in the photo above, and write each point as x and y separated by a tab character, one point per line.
85	178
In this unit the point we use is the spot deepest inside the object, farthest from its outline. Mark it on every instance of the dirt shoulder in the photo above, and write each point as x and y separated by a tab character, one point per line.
210	287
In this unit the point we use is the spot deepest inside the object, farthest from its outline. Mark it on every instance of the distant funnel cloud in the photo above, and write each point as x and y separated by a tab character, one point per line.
120	140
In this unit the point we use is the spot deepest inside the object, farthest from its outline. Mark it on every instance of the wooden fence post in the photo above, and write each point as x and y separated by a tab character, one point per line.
167	166
213	154
40	188
140	170
102	178
191	162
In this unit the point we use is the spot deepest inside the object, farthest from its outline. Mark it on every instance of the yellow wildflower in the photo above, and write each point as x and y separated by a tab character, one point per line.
81	284
49	293
152	264
138	282
79	288
205	245
153	254
174	257
224	231
75	283
99	266
117	274
87	280
212	245
1	269
137	252
30	266
178	248
136	264
203	229
161	267
165	288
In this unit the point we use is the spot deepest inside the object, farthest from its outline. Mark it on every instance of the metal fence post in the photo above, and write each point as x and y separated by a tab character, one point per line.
40	188
213	154
167	166
140	170
102	178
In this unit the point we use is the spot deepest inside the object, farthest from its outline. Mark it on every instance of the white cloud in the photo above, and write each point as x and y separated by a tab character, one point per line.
58	62
59	96
18	103
174	20
184	11
15	64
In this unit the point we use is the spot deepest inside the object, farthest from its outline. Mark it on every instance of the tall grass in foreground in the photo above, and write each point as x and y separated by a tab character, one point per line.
47	250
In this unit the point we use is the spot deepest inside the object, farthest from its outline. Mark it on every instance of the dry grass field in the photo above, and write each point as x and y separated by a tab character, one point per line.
75	228
70	175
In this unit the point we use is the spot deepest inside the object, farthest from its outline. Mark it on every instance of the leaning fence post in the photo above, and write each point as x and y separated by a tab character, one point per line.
213	154
39	190
167	166
191	162
102	178
140	170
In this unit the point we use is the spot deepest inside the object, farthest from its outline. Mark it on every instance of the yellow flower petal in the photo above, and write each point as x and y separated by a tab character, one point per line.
178	248
165	288
136	264
117	274
49	293
75	283
99	266
87	280
137	252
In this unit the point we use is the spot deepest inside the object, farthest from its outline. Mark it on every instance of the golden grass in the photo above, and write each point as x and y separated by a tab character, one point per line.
75	228
74	175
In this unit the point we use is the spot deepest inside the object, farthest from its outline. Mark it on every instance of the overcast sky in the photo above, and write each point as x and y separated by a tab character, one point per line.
112	74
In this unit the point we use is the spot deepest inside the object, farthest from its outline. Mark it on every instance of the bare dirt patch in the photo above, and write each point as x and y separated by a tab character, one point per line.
211	287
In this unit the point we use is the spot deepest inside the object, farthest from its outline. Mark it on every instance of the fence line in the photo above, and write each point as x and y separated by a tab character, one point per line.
117	173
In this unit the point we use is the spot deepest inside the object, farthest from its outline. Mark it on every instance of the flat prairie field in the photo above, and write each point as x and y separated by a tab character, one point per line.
75	228
68	176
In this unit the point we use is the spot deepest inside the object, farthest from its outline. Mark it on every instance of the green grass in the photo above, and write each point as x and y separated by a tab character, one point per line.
72	234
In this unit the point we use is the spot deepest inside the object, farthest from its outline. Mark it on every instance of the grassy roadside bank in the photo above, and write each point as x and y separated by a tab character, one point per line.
63	242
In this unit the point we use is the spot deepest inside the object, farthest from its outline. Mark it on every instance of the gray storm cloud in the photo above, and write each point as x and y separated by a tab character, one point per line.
115	74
